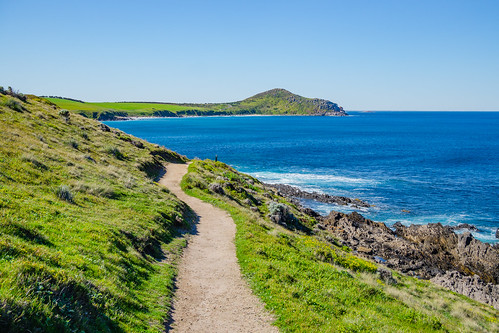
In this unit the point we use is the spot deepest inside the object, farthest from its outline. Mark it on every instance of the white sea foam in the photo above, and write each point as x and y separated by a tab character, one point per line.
485	233
305	179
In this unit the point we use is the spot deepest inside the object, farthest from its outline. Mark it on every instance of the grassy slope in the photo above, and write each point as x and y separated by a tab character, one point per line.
101	261
94	110
311	284
276	101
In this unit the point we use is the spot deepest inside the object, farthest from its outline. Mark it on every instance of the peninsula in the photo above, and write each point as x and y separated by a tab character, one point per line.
271	102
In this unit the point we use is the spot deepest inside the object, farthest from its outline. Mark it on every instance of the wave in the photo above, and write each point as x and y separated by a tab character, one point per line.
305	179
485	233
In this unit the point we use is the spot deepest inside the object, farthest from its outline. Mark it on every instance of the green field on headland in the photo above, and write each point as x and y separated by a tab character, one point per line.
272	102
90	242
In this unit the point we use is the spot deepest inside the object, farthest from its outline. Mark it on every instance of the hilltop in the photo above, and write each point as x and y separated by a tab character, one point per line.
272	102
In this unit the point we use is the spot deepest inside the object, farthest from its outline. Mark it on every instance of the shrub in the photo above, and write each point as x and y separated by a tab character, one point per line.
13	104
13	93
115	152
64	193
65	114
73	143
36	163
277	208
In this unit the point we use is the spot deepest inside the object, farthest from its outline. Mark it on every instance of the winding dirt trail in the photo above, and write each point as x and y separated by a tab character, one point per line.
211	295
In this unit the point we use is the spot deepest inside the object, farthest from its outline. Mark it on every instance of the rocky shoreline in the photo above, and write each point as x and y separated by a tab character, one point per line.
434	252
293	192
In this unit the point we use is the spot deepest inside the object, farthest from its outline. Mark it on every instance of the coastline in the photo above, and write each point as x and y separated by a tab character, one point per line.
392	191
221	116
433	252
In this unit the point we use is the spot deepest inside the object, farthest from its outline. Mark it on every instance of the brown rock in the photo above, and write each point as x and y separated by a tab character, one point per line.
364	249
421	250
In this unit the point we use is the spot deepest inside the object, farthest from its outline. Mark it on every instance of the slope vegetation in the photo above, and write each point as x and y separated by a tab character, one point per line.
272	102
313	284
88	240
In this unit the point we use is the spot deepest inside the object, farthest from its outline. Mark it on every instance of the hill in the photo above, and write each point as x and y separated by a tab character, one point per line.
272	102
88	240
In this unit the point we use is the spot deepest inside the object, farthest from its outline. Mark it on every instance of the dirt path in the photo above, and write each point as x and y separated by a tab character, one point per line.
211	295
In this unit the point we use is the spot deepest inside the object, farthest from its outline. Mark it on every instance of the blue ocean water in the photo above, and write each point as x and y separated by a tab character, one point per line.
414	167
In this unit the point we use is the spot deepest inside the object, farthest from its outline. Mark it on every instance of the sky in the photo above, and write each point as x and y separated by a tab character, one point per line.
363	55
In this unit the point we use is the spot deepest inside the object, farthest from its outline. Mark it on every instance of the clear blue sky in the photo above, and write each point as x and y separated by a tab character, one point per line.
364	55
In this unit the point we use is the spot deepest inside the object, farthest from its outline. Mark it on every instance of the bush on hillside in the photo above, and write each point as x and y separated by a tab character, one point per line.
115	152
73	143
13	93
13	104
64	193
65	114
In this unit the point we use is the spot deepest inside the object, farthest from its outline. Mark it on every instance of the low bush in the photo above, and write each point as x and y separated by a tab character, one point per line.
64	193
115	152
65	114
13	104
73	143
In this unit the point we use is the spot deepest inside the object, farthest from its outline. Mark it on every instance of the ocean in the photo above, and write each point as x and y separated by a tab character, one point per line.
413	167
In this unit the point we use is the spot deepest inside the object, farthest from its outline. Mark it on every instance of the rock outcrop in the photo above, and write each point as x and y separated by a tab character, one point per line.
425	251
467	226
450	250
435	252
295	192
471	286
421	250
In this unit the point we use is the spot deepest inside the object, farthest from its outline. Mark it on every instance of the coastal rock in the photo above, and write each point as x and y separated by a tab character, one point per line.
217	188
419	250
450	251
497	233
467	226
386	276
280	213
471	286
295	192
364	249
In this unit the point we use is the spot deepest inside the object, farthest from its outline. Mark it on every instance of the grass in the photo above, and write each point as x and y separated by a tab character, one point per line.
94	110
312	285
276	101
88	240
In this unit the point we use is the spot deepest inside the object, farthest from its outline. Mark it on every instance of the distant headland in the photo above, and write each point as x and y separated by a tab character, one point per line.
271	102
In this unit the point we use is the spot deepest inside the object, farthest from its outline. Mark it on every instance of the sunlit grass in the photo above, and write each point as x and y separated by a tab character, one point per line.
85	234
314	286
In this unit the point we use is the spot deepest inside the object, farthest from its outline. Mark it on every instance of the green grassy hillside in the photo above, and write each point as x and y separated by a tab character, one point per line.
276	102
310	282
88	241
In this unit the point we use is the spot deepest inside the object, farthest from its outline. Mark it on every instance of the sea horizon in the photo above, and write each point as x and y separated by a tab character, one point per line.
413	167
